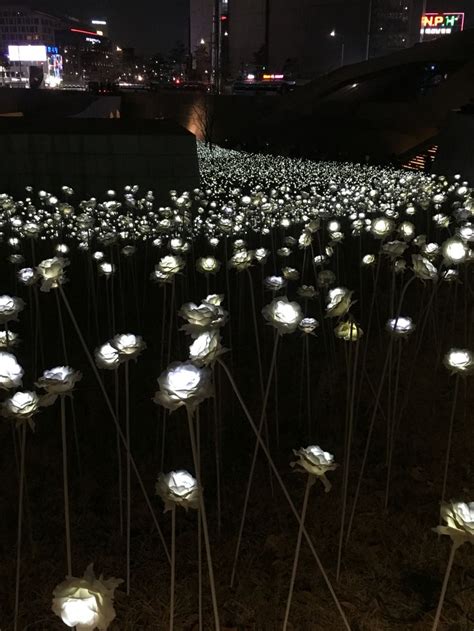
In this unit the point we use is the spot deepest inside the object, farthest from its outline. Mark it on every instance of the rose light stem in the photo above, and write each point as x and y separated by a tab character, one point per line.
450	437
114	418
393	425
66	485
308	387
285	493
447	574
254	460
128	479
173	566
20	523
352	374
255	327
199	525
119	452
202	510
309	483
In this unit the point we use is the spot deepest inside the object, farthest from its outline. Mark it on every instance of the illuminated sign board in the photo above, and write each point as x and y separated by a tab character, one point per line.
27	53
99	22
436	24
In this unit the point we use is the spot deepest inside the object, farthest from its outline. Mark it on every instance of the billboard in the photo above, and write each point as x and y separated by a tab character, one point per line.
27	53
436	24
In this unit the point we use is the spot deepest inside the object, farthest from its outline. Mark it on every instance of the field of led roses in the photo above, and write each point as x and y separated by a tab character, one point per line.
248	410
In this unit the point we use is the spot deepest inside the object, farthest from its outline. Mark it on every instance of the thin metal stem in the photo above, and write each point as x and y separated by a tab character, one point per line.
66	486
450	437
20	523
173	566
447	574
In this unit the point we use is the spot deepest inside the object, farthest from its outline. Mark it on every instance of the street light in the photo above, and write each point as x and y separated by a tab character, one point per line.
334	34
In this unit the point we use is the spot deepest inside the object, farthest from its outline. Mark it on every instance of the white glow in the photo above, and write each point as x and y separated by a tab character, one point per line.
27	53
77	612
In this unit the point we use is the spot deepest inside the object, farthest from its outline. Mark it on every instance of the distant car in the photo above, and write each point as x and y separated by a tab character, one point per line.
99	87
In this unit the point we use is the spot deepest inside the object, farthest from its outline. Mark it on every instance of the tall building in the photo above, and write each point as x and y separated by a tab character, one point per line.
390	25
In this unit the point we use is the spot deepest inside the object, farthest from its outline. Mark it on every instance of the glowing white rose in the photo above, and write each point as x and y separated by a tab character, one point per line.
21	406
202	318
339	302
10	372
423	268
381	227
274	283
315	461
86	603
59	380
400	327
107	356
10	307
178	488
183	383
349	331
51	272
308	325
206	348
208	265
454	250
171	264
129	346
8	340
27	276
283	315
459	361
459	519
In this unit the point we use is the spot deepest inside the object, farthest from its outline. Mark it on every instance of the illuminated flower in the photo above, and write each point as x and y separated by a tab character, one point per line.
160	277
283	315
241	260
289	273
51	272
21	406
400	327
202	318
59	380
305	239
308	325
381	227
459	519
315	461
399	266
208	265
283	252
274	283
106	269
459	361
368	259
10	372
86	603
170	264
454	251
183	383
423	268
261	255
206	348
27	276
178	488
349	331
339	302
10	308
129	346
107	356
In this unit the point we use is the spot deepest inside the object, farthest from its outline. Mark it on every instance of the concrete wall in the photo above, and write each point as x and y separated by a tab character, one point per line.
93	156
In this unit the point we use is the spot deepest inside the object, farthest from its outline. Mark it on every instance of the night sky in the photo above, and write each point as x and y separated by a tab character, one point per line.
148	25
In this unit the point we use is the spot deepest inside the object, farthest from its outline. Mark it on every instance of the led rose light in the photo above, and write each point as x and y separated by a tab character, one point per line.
11	372
290	273
368	259
454	251
459	361
51	272
283	315
59	380
316	462
339	302
261	255
171	264
400	327
274	283
129	346
10	307
106	356
381	227
178	488
206	348
459	519
183	383
241	260
202	318
208	265
86	603
348	331
27	276
308	325
106	269
21	406
8	340
423	268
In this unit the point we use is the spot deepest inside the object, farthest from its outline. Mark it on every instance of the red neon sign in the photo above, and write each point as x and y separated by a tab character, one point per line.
78	30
